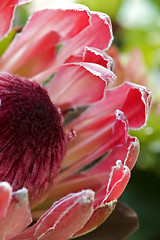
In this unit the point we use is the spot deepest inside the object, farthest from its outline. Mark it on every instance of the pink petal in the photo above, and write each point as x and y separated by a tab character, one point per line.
127	153
120	97
98	56
57	223
5	198
66	22
132	99
137	105
116	182
6	14
94	138
39	57
18	215
98	34
69	87
115	163
92	55
97	177
119	178
97	218
112	186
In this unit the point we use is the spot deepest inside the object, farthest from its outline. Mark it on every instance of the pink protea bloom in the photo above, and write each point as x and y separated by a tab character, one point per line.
64	136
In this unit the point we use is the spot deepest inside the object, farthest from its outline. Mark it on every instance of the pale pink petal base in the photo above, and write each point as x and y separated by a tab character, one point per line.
63	219
79	84
17	214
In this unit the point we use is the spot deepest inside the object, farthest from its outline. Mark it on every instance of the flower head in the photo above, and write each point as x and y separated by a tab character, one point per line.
32	137
58	118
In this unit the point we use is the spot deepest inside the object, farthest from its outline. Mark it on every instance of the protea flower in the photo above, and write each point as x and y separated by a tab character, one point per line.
64	136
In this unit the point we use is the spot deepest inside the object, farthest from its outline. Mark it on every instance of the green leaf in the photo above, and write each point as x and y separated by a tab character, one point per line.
109	7
5	42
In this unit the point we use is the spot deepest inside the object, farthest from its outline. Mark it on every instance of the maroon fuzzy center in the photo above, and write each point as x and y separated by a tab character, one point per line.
32	140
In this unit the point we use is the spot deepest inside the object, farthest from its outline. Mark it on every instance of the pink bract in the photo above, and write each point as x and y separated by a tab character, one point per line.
63	50
7	8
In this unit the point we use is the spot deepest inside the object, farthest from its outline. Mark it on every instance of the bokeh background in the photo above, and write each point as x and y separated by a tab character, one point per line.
136	52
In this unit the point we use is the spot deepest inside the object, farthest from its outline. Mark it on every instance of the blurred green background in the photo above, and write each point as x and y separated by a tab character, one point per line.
136	27
136	24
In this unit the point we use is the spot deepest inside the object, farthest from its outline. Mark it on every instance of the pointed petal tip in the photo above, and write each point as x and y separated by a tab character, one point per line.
140	99
21	194
119	226
87	196
15	214
5	186
119	178
5	198
100	214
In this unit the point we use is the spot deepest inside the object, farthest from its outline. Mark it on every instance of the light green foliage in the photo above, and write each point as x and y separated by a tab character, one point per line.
5	42
109	7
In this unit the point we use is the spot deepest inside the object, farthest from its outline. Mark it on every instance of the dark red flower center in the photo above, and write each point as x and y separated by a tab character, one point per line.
32	139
